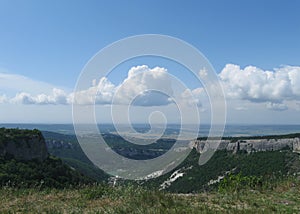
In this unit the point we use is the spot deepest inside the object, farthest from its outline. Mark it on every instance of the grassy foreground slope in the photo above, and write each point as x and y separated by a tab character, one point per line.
283	197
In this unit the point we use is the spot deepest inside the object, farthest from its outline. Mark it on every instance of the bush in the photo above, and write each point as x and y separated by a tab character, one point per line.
236	183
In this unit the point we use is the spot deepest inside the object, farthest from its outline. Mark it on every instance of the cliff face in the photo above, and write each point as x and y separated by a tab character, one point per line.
23	144
249	145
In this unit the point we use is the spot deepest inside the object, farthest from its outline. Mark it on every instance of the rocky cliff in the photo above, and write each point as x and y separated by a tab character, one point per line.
251	145
22	144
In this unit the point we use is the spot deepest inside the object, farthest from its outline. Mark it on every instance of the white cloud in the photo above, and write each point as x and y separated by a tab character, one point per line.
146	86
23	98
192	97
277	106
241	108
3	99
256	85
58	96
142	87
101	93
23	90
203	73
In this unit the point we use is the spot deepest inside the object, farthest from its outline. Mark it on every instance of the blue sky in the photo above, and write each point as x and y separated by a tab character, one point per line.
49	42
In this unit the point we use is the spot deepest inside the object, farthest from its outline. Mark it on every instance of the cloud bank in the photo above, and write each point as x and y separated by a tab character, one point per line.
260	86
58	96
146	86
143	86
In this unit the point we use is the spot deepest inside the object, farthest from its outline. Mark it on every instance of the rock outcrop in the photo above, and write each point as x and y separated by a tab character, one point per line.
251	145
58	144
23	144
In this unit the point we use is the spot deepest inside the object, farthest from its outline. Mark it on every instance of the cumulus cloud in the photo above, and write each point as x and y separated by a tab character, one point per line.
151	98
241	108
257	85
23	98
58	96
193	97
142	87
101	93
144	83
3	99
277	106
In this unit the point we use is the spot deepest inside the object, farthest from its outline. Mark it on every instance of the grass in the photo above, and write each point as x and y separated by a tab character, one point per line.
283	197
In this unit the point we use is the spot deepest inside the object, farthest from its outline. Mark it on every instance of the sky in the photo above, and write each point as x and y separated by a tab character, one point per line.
253	45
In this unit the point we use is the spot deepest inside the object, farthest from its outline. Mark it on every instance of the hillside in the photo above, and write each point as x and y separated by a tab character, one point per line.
189	177
25	162
67	148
